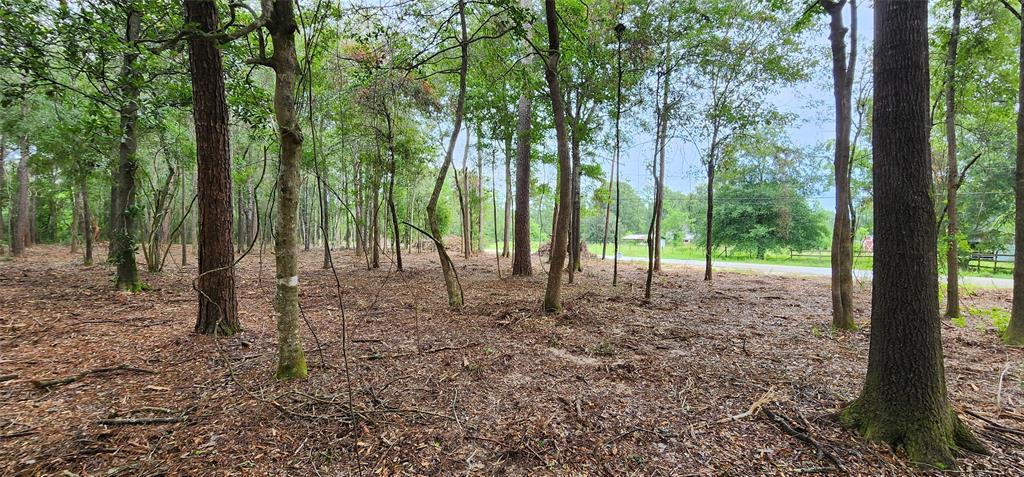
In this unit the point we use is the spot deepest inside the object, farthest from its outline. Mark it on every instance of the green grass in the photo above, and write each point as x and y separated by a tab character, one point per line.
817	259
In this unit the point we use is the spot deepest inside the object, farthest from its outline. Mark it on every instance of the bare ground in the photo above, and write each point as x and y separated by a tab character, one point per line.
611	386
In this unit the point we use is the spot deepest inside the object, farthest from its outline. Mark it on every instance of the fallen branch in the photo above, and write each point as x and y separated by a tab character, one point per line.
788	429
45	383
767	397
413	353
142	421
8	377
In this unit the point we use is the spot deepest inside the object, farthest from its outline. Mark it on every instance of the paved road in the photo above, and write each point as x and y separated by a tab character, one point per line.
794	270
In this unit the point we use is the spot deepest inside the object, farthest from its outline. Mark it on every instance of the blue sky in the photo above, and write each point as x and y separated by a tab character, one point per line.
810	101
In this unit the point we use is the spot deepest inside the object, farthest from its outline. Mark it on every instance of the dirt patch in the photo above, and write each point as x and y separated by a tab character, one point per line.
611	386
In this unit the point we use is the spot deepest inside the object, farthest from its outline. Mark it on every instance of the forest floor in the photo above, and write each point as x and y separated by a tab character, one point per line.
610	386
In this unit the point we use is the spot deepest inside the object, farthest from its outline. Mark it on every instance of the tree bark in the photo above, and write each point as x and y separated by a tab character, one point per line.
709	217
508	197
1015	331
3	192
20	237
553	292
126	212
842	82
291	361
521	261
76	221
464	205
218	306
83	190
450	282
904	400
952	252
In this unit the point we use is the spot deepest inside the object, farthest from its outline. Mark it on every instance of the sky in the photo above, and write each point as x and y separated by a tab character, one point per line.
811	101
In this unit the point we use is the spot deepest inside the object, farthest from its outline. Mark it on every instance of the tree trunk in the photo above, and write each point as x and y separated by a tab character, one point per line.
464	205
450	282
20	236
126	211
3	193
479	194
553	292
218	306
952	252
709	217
1015	331
658	173
76	221
574	198
83	190
521	260
842	81
394	215
659	197
291	361
508	196
904	400
521	264
182	236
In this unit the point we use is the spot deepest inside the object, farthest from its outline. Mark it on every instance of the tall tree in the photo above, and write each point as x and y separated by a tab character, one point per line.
447	271
126	213
1015	330
553	291
218	307
952	245
842	232
904	400
20	236
291	361
521	264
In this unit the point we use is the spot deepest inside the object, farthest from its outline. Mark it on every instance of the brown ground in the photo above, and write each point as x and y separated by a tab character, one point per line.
612	386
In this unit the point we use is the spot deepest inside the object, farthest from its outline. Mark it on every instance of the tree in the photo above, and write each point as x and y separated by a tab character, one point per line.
451	284
553	291
1015	330
521	264
842	232
748	50
20	237
291	360
904	400
218	307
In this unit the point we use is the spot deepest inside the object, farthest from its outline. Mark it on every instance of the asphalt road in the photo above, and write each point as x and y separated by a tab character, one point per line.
795	270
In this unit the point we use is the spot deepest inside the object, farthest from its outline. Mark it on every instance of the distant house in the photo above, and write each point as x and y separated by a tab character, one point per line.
640	238
868	244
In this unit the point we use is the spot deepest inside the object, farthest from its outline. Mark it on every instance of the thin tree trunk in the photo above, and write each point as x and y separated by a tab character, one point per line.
291	361
709	217
842	81
125	230
553	292
479	194
1015	330
83	190
508	196
659	198
464	205
182	236
952	252
20	235
218	306
3	192
76	221
450	282
904	400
